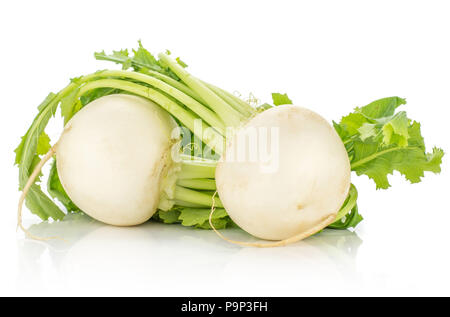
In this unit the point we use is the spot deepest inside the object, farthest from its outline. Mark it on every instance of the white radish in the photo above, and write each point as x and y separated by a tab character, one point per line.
303	194
113	156
114	162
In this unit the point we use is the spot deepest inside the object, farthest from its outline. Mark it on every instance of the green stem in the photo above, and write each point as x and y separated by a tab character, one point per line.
186	204
245	105
230	116
41	119
201	110
196	197
169	80
234	101
348	141
198	183
196	169
213	139
351	202
191	158
244	108
177	84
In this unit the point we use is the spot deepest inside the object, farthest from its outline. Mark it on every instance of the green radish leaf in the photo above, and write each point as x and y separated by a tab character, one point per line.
69	104
93	94
144	57
341	130
220	223
280	99
141	61
377	162
351	220
170	216
380	141
34	144
39	204
182	64
367	130
198	216
43	146
56	190
395	131
382	107
353	122
263	107
195	217
43	139
119	57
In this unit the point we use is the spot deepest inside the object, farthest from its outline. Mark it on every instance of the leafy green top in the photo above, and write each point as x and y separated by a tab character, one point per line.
280	99
380	140
141	61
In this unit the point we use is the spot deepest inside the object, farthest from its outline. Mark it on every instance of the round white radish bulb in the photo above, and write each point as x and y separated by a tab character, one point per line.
113	156
303	178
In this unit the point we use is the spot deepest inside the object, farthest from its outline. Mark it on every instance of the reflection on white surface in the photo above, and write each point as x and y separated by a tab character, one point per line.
159	259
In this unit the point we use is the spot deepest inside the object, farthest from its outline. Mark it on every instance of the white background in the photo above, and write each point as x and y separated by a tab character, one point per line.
329	56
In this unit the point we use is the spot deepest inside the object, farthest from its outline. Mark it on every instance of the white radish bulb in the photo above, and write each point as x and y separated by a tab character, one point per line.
310	181
112	157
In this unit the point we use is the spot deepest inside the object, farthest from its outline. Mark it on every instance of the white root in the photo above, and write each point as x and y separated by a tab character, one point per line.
114	156
294	189
27	187
322	224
